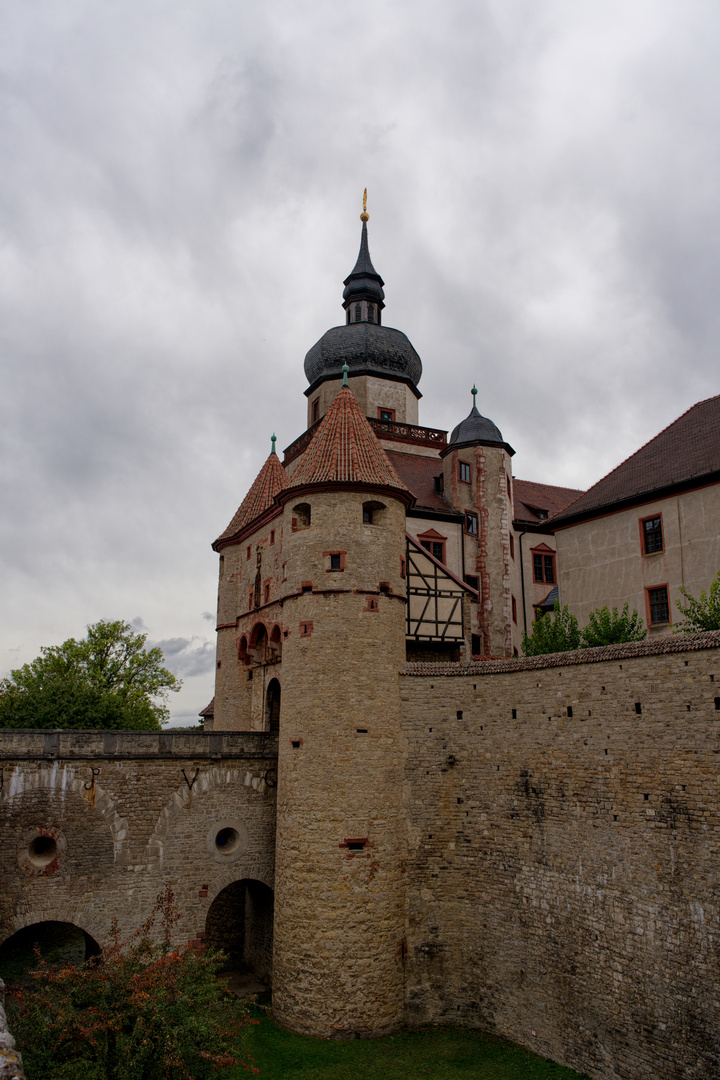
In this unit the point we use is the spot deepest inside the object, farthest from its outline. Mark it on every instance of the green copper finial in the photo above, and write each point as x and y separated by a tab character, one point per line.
345	370
474	394
273	440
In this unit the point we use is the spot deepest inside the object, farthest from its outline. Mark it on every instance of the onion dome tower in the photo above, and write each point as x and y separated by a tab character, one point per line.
384	367
338	965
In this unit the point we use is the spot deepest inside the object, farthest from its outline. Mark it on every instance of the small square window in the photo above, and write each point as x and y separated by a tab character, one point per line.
652	535
387	414
464	472
335	562
471	524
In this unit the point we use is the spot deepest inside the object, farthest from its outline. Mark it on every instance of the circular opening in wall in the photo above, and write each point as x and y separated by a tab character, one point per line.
42	850
227	840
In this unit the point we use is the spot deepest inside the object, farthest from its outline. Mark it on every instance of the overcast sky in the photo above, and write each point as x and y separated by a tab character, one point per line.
180	189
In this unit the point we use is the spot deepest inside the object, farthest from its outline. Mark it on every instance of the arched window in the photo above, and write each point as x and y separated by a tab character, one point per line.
272	706
301	516
243	650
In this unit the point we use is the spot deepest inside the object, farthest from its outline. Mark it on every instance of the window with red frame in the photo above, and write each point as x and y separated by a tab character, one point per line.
651	531
436	548
464	472
543	567
658	605
387	415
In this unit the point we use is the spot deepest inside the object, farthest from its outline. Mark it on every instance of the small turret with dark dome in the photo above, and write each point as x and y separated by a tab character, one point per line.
363	343
476	428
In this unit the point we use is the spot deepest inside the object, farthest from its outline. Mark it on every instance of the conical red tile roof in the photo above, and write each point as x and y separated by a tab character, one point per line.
271	479
345	450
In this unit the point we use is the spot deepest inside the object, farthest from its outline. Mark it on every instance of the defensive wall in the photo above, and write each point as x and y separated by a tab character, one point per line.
560	859
93	824
564	854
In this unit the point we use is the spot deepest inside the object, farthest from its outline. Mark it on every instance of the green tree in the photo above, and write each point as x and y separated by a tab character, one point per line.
551	633
141	1010
607	627
106	680
703	613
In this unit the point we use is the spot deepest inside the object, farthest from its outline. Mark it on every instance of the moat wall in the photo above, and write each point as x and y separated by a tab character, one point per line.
564	832
128	812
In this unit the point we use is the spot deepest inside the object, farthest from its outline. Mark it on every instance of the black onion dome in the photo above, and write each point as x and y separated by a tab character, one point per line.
363	282
476	428
367	349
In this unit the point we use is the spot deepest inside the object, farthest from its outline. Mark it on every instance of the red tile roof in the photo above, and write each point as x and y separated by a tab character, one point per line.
209	710
418	474
530	497
345	449
684	453
271	479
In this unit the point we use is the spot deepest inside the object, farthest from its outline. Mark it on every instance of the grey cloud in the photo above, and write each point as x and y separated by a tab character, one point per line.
179	205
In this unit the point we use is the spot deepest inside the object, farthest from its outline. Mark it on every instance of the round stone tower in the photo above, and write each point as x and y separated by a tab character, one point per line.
339	913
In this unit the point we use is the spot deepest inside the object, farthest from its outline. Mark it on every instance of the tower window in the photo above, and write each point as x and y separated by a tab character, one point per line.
471	524
316	410
387	414
371	313
302	516
512	546
464	472
358	312
367	515
334	562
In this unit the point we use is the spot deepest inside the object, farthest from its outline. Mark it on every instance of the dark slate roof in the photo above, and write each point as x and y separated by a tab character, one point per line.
530	497
418	474
367	349
476	428
363	282
552	596
684	453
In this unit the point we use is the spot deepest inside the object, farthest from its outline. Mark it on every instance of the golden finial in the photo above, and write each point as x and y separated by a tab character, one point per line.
365	216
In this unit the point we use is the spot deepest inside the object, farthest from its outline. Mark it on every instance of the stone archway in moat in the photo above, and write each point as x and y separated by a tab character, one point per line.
58	942
240	922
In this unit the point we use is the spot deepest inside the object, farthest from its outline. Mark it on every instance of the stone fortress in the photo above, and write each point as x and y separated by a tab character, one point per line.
390	817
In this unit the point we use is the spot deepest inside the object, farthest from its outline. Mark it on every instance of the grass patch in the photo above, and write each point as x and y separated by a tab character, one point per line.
443	1053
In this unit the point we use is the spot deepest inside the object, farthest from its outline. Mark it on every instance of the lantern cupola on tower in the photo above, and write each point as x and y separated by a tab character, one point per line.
363	296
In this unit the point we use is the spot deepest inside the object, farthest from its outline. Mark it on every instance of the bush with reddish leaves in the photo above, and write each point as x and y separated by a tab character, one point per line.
141	1010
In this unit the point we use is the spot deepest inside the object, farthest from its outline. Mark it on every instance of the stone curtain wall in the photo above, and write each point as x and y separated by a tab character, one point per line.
93	824
564	835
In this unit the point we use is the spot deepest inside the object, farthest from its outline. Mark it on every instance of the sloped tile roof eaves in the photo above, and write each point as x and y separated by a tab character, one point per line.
679	643
271	479
685	451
